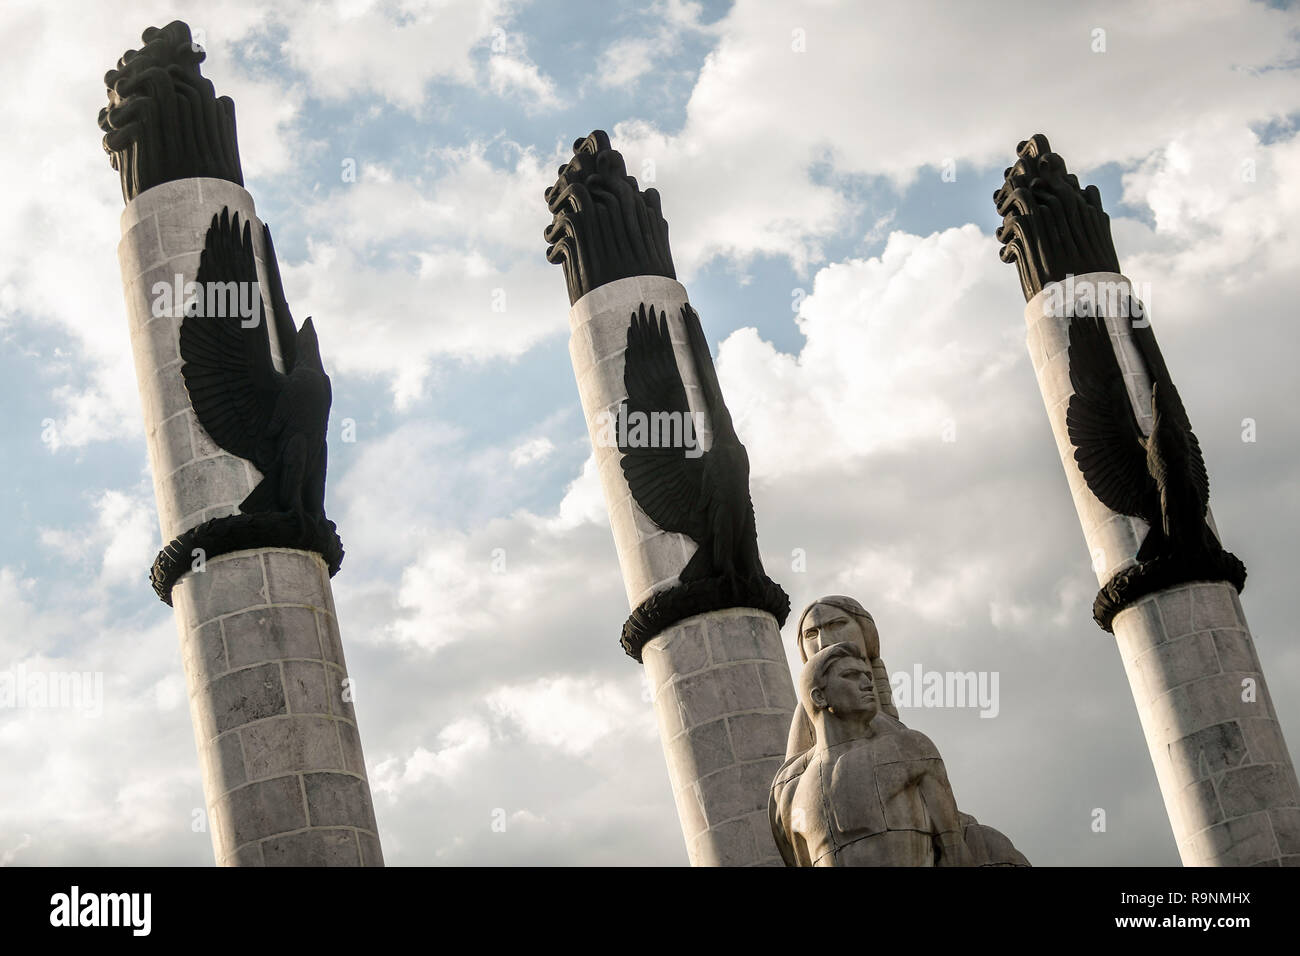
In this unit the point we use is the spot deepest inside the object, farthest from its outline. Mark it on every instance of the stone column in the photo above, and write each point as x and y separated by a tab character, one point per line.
1228	783
283	773
722	689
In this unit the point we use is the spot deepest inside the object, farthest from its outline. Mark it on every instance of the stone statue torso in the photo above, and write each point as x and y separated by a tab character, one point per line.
859	803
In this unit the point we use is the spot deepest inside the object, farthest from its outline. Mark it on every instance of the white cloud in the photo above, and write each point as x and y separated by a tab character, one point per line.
572	714
740	177
533	450
626	60
122	539
891	344
395	50
509	75
459	743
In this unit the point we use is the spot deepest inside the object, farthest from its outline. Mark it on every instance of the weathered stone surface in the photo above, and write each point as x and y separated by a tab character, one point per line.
1213	607
295	577
231	582
721	704
290	745
350	742
306	687
263	680
1286	828
1179	661
313	848
371	853
1198	807
1209	751
271	634
244	696
750	732
866	793
728	844
690	813
262	809
1258	787
1236	651
227	765
331	644
707	749
1218	754
250	854
1241	842
204	654
335	799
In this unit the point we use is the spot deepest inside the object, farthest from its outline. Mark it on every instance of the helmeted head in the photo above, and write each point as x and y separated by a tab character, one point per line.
837	619
838	679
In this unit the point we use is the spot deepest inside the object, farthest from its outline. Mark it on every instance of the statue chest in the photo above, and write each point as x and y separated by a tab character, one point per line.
861	791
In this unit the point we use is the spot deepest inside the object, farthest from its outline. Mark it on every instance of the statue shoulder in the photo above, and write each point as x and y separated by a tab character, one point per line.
883	723
917	744
792	769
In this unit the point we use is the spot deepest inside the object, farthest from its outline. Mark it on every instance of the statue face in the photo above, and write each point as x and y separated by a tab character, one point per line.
825	625
849	689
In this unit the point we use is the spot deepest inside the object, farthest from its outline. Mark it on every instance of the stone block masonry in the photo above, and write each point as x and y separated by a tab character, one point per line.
722	691
283	772
1228	782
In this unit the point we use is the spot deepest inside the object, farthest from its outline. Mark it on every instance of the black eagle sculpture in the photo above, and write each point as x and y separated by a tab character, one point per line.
1160	478
703	495
1053	228
277	420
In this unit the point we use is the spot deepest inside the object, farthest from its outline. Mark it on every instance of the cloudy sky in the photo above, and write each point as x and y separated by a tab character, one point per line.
869	342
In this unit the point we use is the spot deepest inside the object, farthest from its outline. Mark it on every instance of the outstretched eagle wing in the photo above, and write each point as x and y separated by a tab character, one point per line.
286	333
227	368
719	416
1099	419
667	484
1178	461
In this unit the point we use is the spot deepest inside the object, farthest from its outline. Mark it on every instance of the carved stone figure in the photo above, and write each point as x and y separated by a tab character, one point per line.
838	619
862	796
1053	229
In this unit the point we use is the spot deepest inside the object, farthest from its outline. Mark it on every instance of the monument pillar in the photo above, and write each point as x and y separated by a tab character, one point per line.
283	773
706	625
1169	591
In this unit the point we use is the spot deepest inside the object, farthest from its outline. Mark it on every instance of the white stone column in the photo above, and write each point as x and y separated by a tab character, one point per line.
1227	780
722	689
283	773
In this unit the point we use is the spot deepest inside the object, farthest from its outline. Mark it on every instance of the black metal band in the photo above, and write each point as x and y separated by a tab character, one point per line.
1160	574
665	608
241	532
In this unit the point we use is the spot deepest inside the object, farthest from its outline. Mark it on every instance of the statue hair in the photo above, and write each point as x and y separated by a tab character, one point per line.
817	670
879	674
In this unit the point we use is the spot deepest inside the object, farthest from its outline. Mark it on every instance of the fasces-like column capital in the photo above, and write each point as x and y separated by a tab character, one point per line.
604	226
1051	227
164	120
